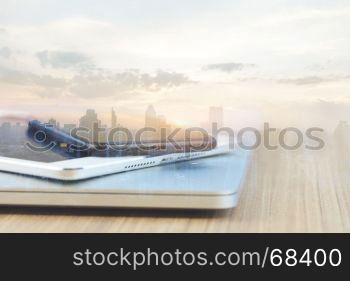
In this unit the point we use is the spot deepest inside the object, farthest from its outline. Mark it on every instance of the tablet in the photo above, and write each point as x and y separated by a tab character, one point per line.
89	167
204	183
18	156
206	180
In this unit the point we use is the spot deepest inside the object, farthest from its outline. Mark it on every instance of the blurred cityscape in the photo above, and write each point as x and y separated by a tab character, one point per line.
15	133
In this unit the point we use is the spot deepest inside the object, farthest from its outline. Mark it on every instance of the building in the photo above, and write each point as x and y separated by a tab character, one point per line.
69	127
53	123
151	121
151	117
113	119
216	115
90	121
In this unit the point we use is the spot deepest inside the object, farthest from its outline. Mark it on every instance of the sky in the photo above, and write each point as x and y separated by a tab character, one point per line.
283	60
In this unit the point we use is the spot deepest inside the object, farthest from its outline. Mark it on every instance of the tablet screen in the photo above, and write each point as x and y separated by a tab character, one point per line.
15	143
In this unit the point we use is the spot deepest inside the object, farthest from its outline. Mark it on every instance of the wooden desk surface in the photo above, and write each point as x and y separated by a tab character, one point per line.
285	191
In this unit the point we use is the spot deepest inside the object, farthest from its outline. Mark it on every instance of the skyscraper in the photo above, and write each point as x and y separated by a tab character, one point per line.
52	122
90	121
216	115
113	119
151	121
69	127
151	117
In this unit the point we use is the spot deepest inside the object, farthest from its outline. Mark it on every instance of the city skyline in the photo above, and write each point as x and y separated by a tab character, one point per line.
91	116
57	59
151	119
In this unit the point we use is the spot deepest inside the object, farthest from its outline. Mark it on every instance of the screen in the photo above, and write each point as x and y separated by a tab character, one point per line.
15	142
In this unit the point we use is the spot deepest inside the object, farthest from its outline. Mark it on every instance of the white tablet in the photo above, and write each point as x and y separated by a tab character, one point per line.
89	167
204	183
197	180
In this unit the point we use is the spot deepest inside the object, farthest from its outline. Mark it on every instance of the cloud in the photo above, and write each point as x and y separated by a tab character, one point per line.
312	80
49	81
23	78
94	85
61	59
5	52
229	67
168	79
124	83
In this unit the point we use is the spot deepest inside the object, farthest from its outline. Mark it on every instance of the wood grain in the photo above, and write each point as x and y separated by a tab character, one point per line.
285	191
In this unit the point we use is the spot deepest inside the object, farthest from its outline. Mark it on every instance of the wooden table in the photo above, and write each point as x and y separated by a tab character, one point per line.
285	191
